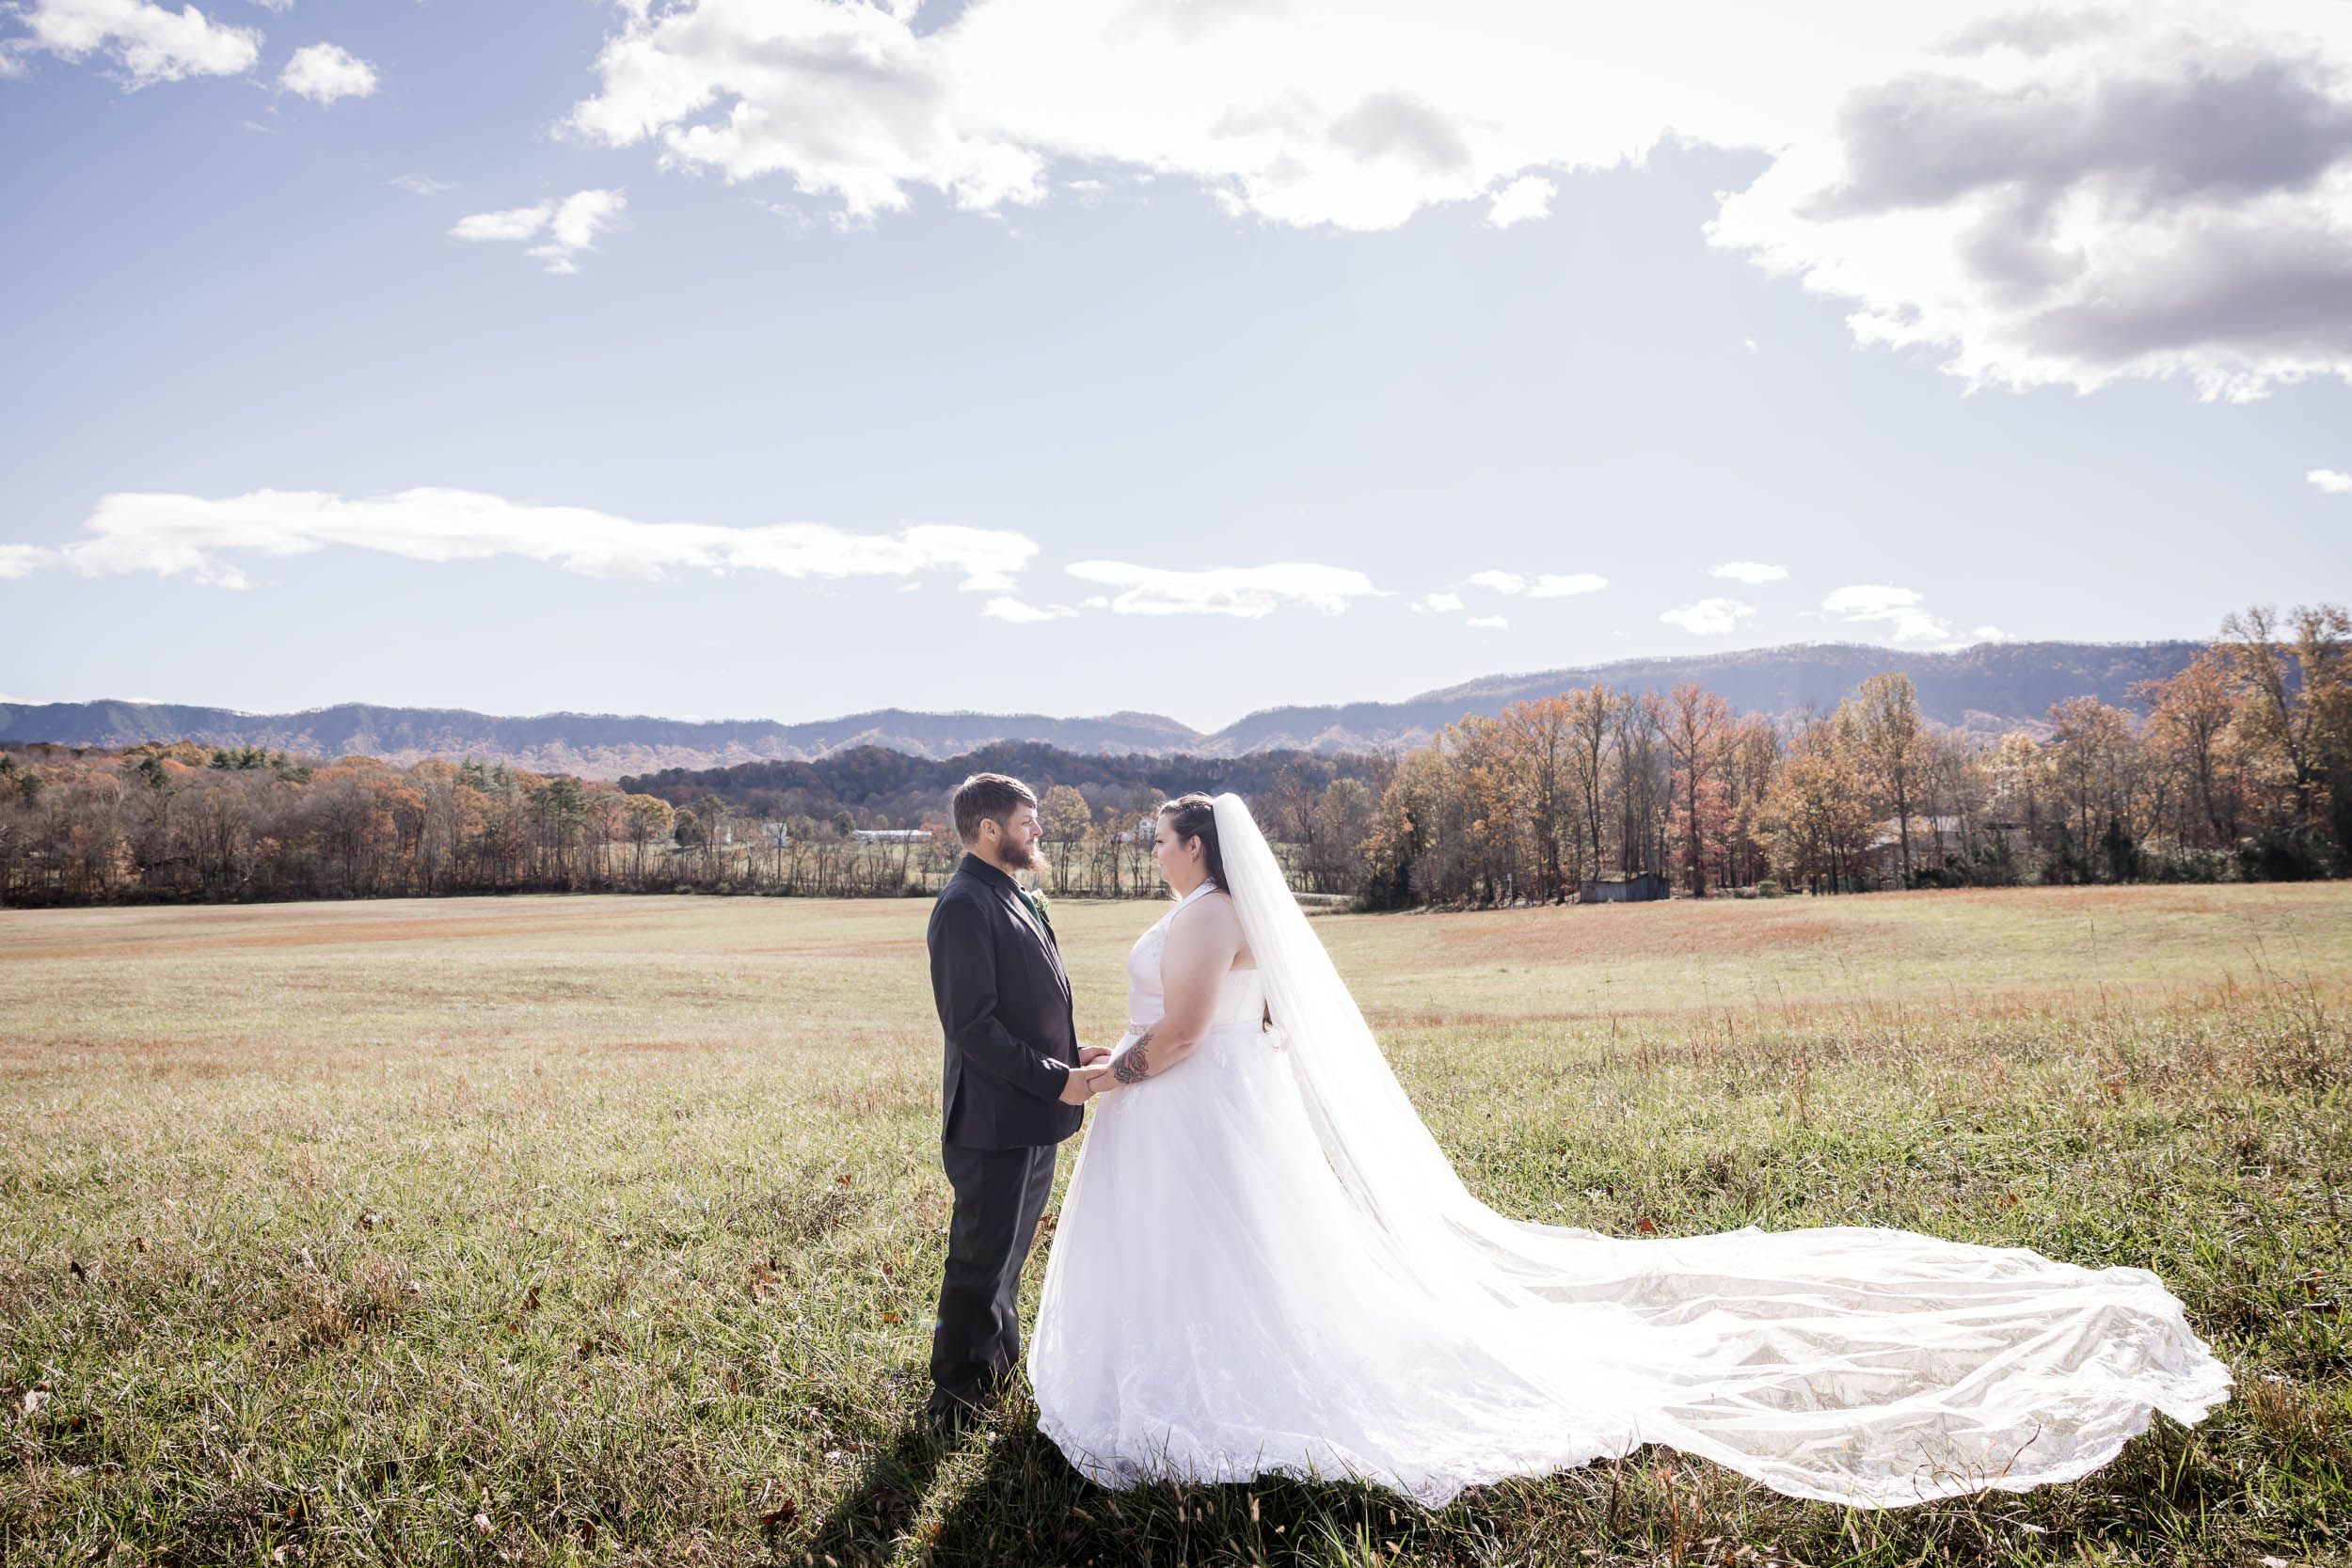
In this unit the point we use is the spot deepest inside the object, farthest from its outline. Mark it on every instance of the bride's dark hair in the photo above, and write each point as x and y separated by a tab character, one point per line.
1195	816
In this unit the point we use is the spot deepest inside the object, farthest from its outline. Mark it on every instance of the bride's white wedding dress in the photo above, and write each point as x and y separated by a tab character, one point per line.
1264	1264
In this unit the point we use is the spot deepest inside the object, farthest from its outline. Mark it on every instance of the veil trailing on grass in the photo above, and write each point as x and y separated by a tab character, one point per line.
1851	1364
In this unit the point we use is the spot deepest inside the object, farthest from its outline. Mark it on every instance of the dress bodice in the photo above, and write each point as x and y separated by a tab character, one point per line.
1240	998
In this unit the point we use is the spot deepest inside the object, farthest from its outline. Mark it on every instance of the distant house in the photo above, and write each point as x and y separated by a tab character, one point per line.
1628	890
894	836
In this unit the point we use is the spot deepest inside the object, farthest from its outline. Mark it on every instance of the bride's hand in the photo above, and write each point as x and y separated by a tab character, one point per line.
1089	1054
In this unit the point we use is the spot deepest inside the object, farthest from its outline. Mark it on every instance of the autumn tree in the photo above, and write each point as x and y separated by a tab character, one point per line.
2296	706
1893	759
1818	817
645	819
1595	720
1065	817
1697	722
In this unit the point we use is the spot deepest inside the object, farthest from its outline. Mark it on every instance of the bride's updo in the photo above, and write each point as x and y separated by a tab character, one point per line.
1195	816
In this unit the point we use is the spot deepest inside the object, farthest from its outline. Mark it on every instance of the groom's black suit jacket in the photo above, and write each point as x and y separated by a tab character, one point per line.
1003	1005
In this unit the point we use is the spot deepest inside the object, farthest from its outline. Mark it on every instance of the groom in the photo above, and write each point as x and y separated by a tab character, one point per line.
1014	1080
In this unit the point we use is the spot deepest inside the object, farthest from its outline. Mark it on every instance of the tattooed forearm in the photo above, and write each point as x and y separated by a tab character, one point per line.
1132	1065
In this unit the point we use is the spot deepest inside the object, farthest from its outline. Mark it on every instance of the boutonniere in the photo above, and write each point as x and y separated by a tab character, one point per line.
1038	902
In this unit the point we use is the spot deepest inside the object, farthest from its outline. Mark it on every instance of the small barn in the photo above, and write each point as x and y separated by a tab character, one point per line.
1626	890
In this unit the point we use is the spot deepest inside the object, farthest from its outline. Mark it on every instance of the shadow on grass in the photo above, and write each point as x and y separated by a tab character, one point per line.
1026	1505
1010	1497
866	1524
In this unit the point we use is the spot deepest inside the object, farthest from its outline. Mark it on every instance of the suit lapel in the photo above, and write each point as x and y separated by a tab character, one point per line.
1044	940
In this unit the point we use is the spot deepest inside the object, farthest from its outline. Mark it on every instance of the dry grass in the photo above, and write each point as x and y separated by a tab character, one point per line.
606	1230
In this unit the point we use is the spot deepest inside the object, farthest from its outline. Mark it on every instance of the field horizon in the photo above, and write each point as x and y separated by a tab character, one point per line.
604	1229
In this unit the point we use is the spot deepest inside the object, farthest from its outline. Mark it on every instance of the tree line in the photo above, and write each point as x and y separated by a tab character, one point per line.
180	821
2239	766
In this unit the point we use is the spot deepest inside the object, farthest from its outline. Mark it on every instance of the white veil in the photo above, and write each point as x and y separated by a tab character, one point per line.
1373	1137
1853	1364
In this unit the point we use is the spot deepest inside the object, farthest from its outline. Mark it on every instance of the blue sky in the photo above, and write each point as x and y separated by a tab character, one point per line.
1333	381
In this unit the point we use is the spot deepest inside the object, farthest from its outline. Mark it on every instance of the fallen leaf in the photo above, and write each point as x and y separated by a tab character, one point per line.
781	1516
1646	1225
33	1399
79	1272
531	1302
482	1524
890	1317
138	1243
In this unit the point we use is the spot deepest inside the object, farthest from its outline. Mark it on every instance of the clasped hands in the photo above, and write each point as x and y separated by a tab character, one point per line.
1090	1077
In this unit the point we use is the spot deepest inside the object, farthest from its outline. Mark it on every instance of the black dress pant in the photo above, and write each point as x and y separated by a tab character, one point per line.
1000	1195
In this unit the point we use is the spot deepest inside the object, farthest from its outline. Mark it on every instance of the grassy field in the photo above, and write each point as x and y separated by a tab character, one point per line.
606	1230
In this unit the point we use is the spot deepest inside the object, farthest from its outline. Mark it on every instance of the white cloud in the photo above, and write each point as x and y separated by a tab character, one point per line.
515	223
17	561
1900	609
1354	116
1439	603
1990	634
2041	196
2076	197
322	73
147	43
2330	481
1869	600
1552	585
1528	197
571	226
1015	610
1708	617
1749	572
419	184
1245	591
174	535
1488	622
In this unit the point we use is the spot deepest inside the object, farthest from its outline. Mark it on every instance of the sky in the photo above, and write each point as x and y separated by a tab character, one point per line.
789	358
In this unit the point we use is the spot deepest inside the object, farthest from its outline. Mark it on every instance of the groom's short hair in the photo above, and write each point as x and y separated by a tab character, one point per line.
988	796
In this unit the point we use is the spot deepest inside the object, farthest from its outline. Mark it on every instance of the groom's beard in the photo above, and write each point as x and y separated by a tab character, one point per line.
1023	856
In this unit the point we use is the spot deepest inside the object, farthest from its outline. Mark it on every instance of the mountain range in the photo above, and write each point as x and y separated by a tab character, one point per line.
1988	689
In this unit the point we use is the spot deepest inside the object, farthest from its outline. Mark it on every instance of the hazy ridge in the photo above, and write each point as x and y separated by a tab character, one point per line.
1988	689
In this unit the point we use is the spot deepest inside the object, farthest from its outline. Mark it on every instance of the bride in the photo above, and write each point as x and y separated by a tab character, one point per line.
1265	1264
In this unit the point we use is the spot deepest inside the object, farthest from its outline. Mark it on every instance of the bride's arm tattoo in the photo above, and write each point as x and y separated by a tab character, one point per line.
1133	1065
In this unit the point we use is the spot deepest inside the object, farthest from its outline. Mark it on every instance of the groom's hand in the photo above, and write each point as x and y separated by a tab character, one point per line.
1089	1054
1080	1085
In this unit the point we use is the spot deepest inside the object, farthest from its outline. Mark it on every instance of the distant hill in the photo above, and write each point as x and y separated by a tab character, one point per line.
592	745
1988	689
